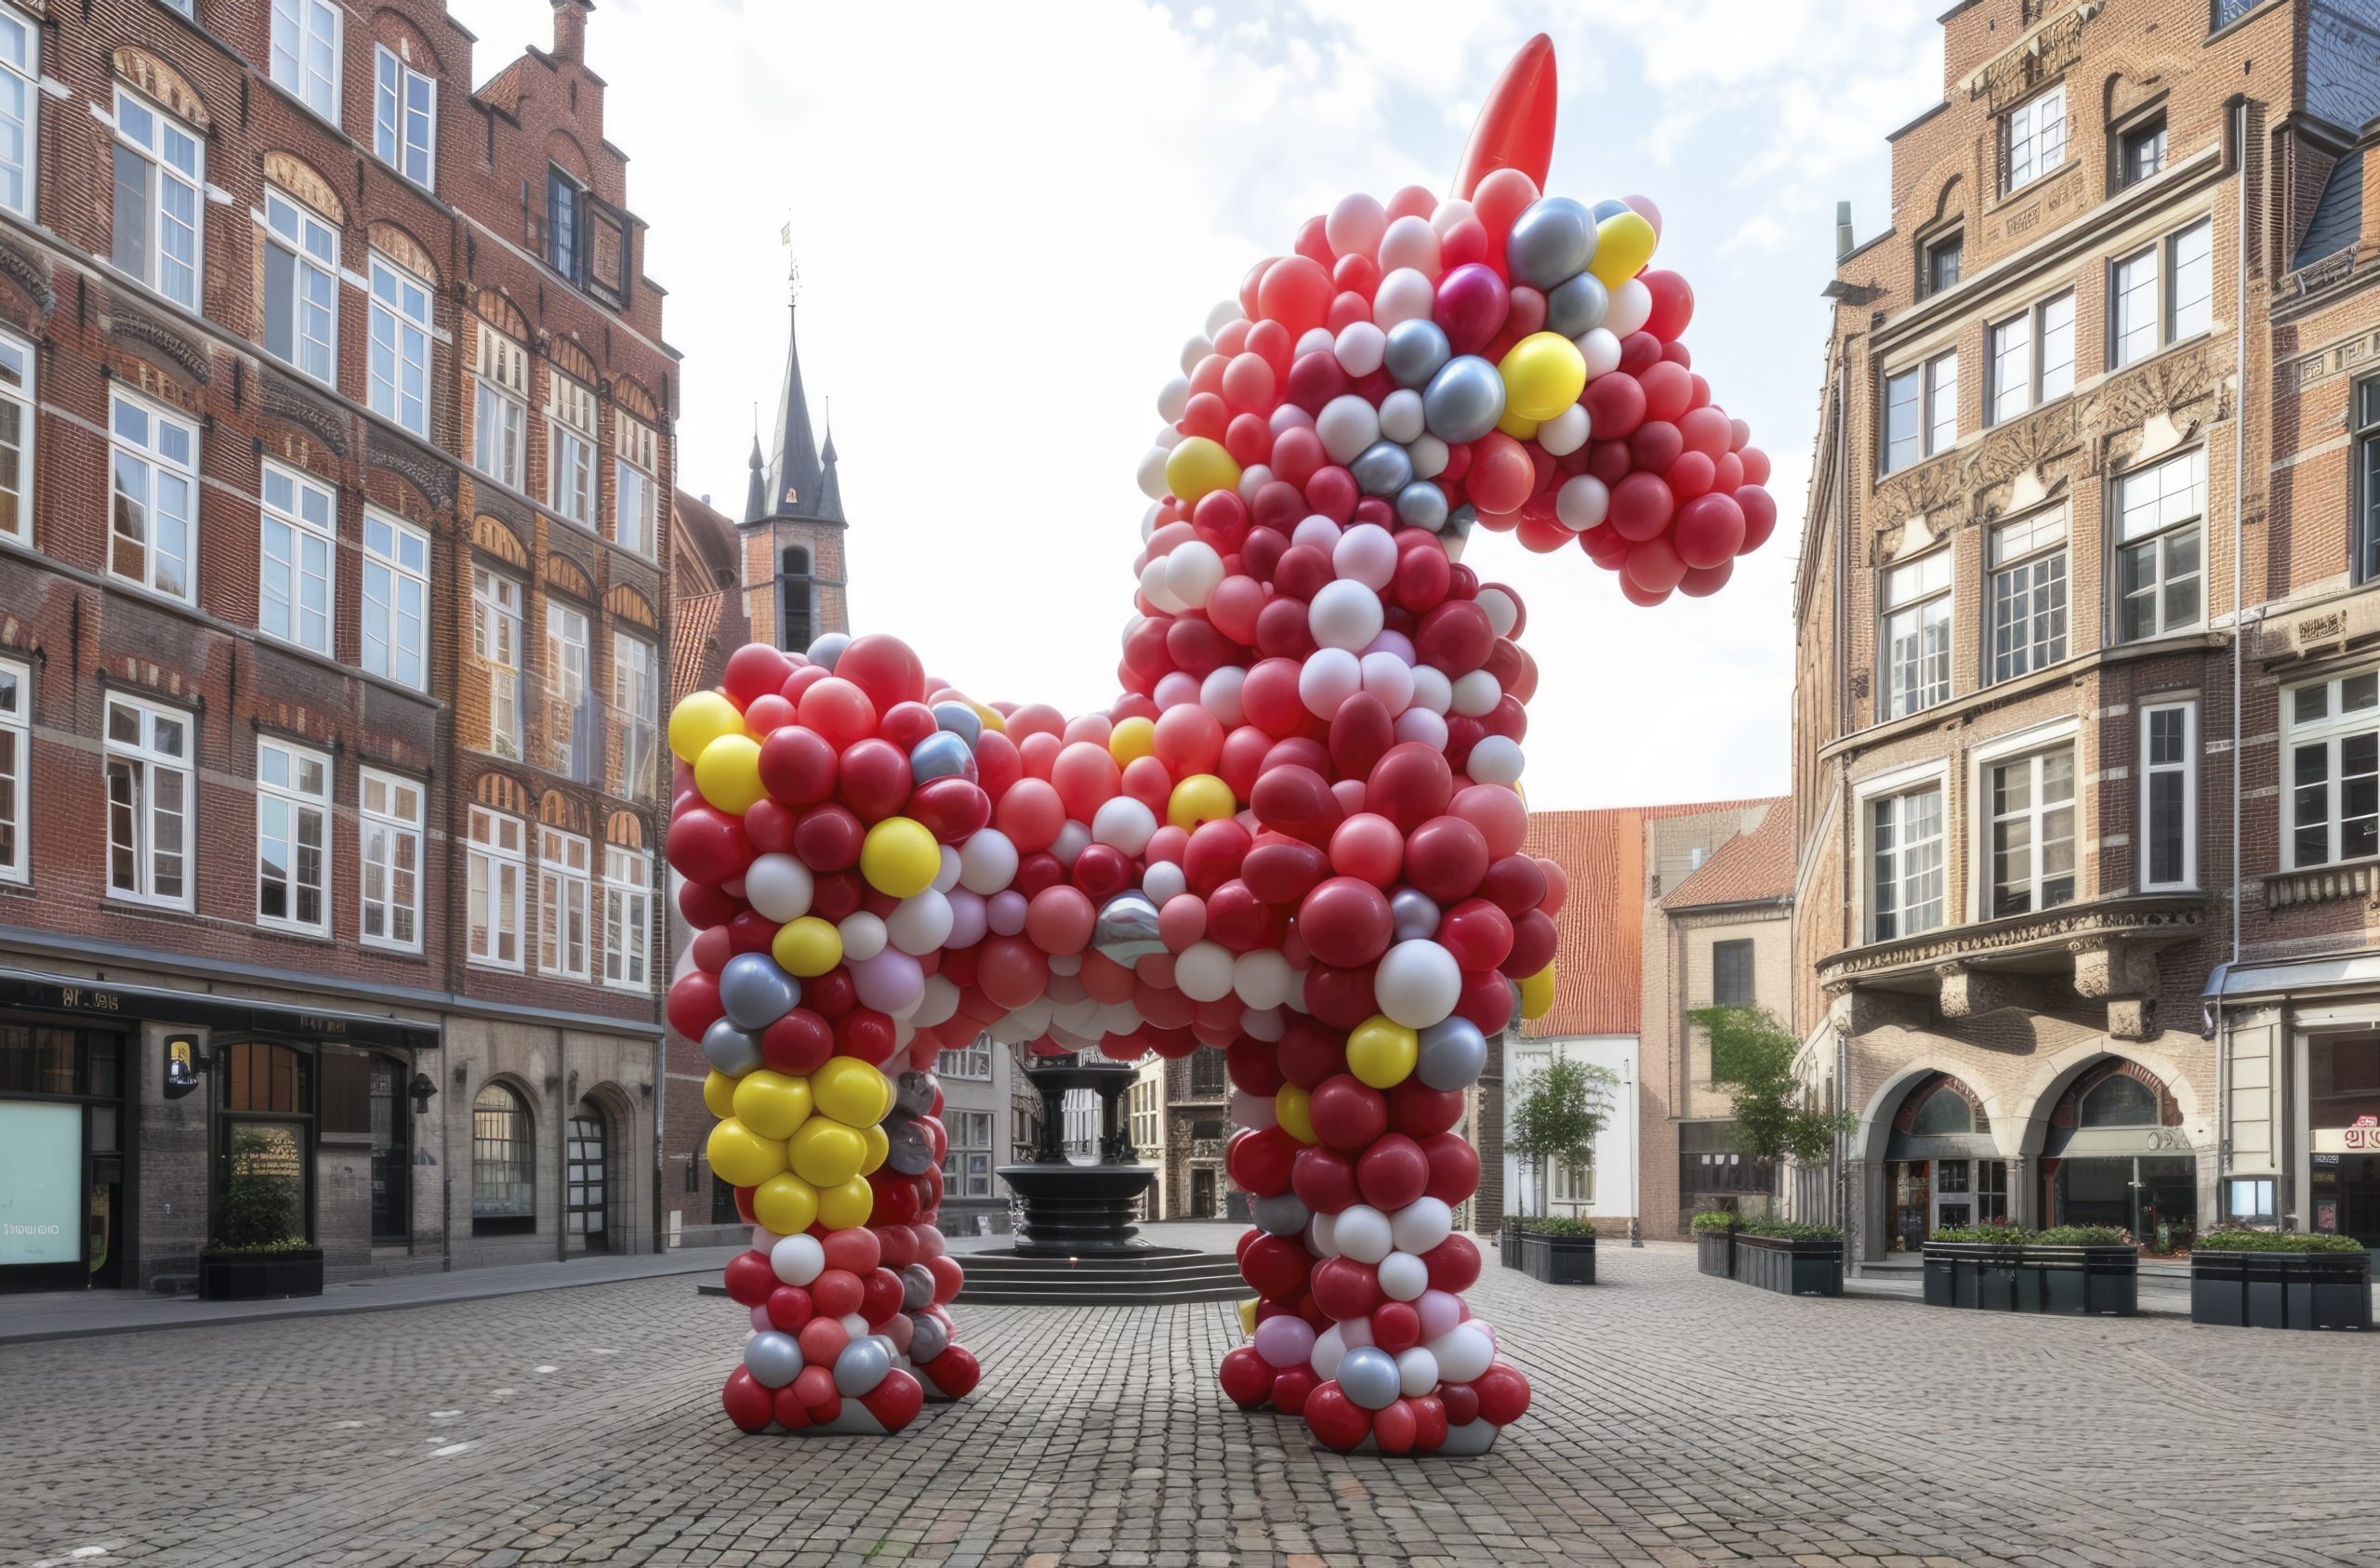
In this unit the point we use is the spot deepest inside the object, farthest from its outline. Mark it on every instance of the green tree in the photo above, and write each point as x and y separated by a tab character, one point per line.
258	1209
1752	1054
1567	1105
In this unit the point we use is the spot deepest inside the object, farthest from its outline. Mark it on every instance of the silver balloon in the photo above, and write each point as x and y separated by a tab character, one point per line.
1367	1375
1552	240
1464	400
1610	207
1452	1056
1382	468
940	756
732	1050
1415	913
1416	349
909	1147
927	1339
1421	505
913	1091
773	1359
864	1363
1458	522
1126	928
828	648
917	1287
754	992
1577	306
1281	1215
958	718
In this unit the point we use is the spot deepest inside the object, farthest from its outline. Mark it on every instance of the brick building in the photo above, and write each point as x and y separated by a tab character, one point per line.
336	416
2092	392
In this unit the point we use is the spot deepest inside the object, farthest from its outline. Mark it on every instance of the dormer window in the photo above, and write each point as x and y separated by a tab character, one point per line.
585	240
1942	259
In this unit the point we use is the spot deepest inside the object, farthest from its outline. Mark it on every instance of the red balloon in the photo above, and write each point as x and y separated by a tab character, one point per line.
1345	922
1324	1180
1760	514
1395	1427
1615	404
749	1279
753	671
1392	1173
1275	1267
1258	1161
1673	303
1710	531
1453	1263
951	808
1247	1378
1445	858
1640	507
955	1372
707	845
798	1044
1421	1112
1348	1113
836	1292
1284	871
1460	1402
1477	933
1346	1289
874	779
1470	305
1503	1394
1294	291
894	1402
1501	475
751	1406
1456	637
828	838
1335	1420
1429	1423
1369	848
1299	801
693	1003
1292	1386
1410	784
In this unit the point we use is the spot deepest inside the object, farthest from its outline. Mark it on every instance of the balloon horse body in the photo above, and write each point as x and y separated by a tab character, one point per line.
1296	837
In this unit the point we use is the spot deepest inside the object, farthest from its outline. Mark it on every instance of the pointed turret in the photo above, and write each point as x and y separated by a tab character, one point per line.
830	483
756	493
796	482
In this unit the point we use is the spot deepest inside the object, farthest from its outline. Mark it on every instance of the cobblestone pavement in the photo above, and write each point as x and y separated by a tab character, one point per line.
1678	1420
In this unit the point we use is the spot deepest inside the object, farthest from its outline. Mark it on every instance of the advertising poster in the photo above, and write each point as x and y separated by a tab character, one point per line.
41	1183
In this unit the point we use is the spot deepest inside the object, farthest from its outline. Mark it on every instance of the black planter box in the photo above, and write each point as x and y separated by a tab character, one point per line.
1509	1238
259	1276
2070	1281
1790	1268
2281	1289
1557	1260
1714	1253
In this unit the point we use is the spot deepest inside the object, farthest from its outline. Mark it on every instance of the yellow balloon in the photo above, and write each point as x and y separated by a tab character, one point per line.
1381	1052
718	1095
848	1205
851	1091
728	773
743	1156
1196	466
1516	426
1201	798
1543	373
771	1104
900	857
826	1153
1132	739
1624	242
807	947
990	715
1536	993
1247	1316
699	719
878	1146
786	1203
1290	1110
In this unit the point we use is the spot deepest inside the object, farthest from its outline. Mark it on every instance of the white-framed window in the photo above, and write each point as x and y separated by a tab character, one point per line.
15	769
17	443
404	118
634	490
627	917
569	734
2034	136
2334	748
2030	802
563	886
150	803
2162	294
498	869
967	1164
495	644
972	1064
297	527
396	599
20	109
1917	633
152	523
306	53
2169	795
2161	519
388	832
300	287
160	199
1921	411
636	693
500	409
570	433
1907	879
2028	594
2031	357
293	838
400	346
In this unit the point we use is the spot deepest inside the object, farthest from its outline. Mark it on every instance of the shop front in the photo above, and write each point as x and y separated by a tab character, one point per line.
63	1166
2117	1153
2343	1111
1942	1168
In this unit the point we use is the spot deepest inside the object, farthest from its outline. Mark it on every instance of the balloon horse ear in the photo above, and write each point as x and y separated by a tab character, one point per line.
1515	126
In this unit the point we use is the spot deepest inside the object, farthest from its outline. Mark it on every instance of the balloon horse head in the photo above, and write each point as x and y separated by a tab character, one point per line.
1296	837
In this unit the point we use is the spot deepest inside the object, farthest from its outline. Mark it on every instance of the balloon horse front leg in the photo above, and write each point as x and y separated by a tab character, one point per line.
1296	837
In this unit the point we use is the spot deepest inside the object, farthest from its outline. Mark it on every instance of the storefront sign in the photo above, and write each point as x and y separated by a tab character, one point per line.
42	1198
2347	1141
41	993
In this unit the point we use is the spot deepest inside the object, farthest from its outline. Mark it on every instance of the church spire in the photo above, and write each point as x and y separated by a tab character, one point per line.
756	493
830	484
797	479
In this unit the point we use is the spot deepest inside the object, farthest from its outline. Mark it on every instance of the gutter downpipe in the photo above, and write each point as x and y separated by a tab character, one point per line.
2238	650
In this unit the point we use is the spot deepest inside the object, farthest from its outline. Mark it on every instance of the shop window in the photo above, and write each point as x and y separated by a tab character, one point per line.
504	1163
2248	1199
2333	749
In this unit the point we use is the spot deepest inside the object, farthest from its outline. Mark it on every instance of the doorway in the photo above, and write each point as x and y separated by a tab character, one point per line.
1202	1194
588	1212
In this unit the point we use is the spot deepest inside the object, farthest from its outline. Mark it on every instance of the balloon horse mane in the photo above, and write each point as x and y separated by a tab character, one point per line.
1295	838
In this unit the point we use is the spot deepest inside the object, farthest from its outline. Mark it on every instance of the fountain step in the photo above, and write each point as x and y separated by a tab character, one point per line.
1131	1265
1096	1293
1144	1275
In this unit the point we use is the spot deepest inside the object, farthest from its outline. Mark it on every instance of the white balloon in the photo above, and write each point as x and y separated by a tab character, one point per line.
1420	724
1432	689
797	1259
1194	349
1449	213
1365	554
1155	590
764	1239
1344	615
1174	689
1316	532
945	874
1329	677
1124	824
1361	1233
1410	243
1389	678
1254	1110
1418	983
1162	880
1502	610
1566	432
941	1002
1073	838
1355	1333
1356	225
1254	477
1631	307
779	887
1329	1346
1202	971
1347	423
1417	1372
1322	1236
1262	979
1400	415
1496	759
919	925
1403	1277
1192	570
1601	349
1290	416
987	862
1464	1352
1219	695
1419	1225
1476	694
1316	340
1173	400
1404	295
1583	502
1429	454
1221	315
1167	436
1265	1023
1150	476
864	936
1361	348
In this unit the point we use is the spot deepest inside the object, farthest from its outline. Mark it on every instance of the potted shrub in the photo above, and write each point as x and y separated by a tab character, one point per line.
1556	1251
1715	1250
2083	1270
1788	1258
256	1252
1556	1121
2277	1279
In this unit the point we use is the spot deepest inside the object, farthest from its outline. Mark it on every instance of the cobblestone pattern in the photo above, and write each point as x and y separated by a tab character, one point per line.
1679	1420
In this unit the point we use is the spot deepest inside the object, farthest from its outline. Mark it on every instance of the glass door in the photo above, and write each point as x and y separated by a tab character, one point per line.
588	1213
1953	1193
392	1160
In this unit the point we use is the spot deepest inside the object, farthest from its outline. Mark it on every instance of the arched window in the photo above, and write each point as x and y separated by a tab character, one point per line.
796	594
1944	1112
504	1163
2120	1101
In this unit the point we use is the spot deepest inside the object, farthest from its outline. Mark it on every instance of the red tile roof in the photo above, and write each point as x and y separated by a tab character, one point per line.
691	641
1746	869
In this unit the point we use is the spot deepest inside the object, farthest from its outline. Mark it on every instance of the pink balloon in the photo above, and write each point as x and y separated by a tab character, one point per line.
1369	848
1498	815
1060	919
1182	921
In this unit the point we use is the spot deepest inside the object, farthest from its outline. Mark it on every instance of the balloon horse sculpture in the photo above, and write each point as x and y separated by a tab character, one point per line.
1296	838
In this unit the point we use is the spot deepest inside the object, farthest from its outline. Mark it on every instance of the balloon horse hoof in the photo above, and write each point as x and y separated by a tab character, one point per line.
1296	837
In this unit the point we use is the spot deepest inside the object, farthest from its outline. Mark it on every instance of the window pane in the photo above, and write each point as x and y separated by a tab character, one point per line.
1942	404
2057	347
2012	368
2193	280
2135	294
1901	421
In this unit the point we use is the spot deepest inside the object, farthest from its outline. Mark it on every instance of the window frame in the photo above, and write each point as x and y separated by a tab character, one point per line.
302	532
16	770
27	77
391	563
2032	747
405	330
965	1069
147	760
492	606
2165	331
297	801
2142	129
395	826
2151	771
152	457
2033	140
296	15
627	889
1951	242
635	451
963	1176
1735	950
23	398
1928	373
2363	420
556	883
488	857
305	262
1927	600
640	723
1893	791
2336	725
566	400
2120	547
396	151
2057	647
2037	393
152	276
500	388
517	1169
572	756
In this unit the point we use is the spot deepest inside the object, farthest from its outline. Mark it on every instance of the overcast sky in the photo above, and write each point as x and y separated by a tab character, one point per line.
1008	217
